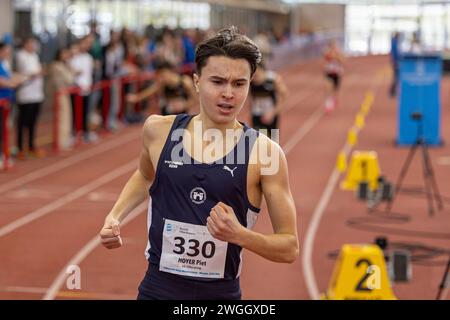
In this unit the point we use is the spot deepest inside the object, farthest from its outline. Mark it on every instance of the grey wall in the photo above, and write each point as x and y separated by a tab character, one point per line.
6	17
319	17
248	21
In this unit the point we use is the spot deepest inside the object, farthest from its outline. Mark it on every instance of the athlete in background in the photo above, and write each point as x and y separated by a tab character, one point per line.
334	69
176	91
268	93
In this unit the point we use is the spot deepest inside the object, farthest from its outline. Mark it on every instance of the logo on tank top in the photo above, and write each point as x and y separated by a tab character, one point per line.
173	164
227	168
198	195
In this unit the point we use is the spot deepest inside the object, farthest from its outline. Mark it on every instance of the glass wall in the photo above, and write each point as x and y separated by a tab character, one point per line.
369	28
49	16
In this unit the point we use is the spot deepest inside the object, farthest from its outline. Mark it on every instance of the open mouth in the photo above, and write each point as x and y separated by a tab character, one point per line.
225	107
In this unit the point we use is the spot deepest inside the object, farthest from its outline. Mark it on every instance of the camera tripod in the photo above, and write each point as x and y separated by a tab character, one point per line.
431	188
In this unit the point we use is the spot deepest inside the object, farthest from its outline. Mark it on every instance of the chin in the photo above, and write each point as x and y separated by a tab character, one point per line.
219	118
224	119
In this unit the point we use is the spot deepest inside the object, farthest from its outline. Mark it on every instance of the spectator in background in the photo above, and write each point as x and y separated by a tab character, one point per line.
30	96
114	61
8	82
83	65
60	76
188	47
416	44
114	56
168	49
96	51
129	68
395	56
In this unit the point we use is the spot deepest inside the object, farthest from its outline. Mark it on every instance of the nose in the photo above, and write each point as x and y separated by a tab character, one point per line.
228	92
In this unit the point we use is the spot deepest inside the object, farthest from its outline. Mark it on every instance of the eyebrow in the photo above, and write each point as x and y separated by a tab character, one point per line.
224	79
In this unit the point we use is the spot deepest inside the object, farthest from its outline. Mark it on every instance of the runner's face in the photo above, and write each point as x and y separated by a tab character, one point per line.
223	87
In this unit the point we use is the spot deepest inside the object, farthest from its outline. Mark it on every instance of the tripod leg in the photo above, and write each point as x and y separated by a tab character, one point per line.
436	193
445	281
403	171
426	178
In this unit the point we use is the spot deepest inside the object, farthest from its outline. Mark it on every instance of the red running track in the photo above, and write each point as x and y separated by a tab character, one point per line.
52	208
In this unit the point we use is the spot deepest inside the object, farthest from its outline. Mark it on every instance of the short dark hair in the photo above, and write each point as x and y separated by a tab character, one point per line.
59	53
28	39
229	43
163	65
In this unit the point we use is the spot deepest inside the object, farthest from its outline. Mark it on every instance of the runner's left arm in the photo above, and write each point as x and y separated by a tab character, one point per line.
281	92
282	245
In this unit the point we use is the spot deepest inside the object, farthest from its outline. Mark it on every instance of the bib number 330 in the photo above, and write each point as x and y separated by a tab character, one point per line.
190	250
207	250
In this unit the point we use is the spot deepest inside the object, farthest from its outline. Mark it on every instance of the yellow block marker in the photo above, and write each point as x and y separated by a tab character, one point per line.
369	98
359	121
363	168
360	273
341	163
365	108
352	137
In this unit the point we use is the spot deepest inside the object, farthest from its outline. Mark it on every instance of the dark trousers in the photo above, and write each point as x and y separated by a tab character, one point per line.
257	124
27	119
394	84
158	285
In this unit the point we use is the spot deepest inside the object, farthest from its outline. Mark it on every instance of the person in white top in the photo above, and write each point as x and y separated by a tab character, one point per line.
30	96
82	64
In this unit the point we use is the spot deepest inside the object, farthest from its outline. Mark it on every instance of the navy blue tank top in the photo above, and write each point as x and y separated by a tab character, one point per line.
186	190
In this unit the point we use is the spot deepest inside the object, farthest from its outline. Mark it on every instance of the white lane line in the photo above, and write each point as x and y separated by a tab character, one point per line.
303	130
78	193
22	289
305	95
311	230
308	245
68	294
56	285
310	234
66	162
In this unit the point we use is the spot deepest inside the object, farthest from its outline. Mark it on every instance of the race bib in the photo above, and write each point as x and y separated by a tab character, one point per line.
261	105
334	67
176	106
190	250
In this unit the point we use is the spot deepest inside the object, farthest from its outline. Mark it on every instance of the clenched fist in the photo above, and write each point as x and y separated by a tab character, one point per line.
223	224
110	234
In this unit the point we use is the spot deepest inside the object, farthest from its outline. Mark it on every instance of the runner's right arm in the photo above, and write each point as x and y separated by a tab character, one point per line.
133	194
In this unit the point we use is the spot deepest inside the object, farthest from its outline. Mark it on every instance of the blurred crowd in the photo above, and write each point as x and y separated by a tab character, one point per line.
68	81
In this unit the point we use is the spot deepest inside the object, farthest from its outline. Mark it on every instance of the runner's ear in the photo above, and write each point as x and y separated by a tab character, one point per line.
196	79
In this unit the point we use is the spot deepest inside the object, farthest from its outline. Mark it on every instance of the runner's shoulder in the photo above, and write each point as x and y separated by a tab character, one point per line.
265	141
266	150
157	126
